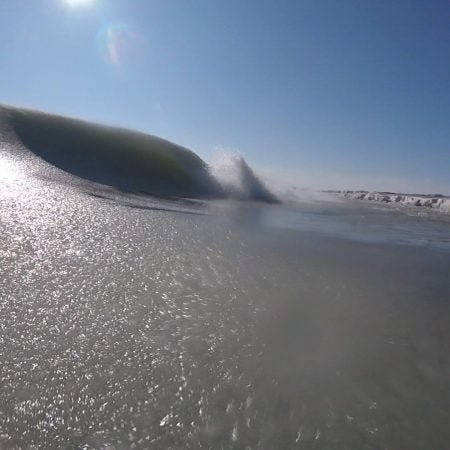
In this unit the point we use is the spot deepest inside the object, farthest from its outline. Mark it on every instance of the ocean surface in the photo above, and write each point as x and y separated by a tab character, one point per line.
130	321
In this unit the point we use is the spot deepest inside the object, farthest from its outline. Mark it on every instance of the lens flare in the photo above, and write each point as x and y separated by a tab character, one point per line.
118	42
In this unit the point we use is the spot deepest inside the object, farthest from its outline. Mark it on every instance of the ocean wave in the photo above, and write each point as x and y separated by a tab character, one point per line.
127	160
238	180
437	201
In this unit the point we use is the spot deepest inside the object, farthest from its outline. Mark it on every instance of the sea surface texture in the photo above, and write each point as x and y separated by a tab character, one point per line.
130	321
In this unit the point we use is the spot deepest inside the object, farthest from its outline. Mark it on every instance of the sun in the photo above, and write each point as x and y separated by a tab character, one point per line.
76	3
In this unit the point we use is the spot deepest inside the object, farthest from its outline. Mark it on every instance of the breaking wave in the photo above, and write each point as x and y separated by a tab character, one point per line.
123	159
238	180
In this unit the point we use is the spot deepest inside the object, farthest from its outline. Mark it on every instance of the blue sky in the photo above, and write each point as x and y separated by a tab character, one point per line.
322	93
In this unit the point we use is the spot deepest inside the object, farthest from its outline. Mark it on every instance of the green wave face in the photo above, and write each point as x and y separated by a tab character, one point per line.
124	159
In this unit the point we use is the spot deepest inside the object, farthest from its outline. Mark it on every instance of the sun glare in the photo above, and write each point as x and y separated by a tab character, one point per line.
75	3
8	172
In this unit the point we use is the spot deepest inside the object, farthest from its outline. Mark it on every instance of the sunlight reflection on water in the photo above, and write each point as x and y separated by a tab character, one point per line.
8	169
134	328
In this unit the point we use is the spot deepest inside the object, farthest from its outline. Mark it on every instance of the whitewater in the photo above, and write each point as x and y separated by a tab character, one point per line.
149	301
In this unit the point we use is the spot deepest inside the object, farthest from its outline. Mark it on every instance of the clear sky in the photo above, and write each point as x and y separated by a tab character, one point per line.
323	93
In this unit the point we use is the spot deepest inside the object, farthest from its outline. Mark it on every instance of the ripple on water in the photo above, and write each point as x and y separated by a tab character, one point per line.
128	328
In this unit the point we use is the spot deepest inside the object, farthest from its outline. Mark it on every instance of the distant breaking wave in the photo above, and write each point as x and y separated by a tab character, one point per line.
123	159
428	201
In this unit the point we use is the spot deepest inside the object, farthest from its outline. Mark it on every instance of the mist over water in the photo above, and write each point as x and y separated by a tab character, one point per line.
129	321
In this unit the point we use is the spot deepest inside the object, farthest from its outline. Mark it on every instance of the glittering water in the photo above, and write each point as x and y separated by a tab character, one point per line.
137	327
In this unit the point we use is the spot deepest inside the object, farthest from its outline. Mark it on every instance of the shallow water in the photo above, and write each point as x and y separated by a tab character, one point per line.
128	322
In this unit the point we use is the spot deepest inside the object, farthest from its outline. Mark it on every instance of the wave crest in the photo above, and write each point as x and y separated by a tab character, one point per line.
238	180
123	159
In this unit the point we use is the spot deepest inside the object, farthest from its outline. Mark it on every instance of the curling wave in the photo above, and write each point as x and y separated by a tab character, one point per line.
123	159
